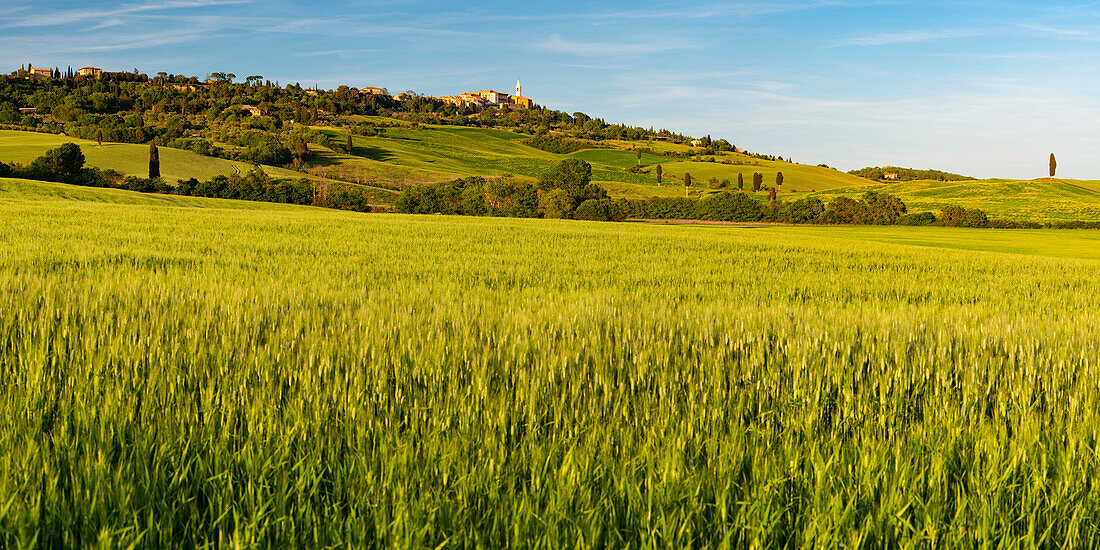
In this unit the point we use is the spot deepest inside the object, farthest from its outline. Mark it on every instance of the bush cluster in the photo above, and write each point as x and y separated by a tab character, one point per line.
561	192
559	145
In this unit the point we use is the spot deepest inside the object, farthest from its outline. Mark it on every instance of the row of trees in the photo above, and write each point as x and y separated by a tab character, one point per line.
120	103
565	191
715	183
870	209
907	174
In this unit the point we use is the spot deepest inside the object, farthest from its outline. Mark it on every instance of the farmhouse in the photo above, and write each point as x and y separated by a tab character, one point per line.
94	72
35	73
371	90
890	176
253	110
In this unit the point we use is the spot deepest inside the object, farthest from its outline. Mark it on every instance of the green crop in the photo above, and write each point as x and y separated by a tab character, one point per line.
212	376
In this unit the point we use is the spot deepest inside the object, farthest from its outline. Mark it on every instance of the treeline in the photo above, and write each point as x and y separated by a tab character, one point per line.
907	174
870	209
65	164
729	206
566	192
134	108
563	192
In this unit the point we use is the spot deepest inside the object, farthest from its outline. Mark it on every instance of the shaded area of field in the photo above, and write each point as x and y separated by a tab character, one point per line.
294	377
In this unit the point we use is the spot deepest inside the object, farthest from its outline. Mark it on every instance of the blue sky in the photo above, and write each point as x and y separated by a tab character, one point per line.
987	88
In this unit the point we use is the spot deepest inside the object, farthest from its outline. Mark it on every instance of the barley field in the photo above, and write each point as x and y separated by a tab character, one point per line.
202	375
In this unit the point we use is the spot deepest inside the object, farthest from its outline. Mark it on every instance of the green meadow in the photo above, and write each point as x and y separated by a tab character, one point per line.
131	159
436	153
207	373
407	154
1042	200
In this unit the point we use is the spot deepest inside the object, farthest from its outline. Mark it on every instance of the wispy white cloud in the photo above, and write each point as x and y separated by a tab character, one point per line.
327	53
53	18
907	37
555	43
1059	31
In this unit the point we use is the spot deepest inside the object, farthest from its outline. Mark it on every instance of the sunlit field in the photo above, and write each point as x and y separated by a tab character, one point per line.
201	374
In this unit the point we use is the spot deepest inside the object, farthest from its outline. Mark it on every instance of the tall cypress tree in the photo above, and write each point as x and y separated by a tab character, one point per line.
660	172
349	146
154	161
1053	165
740	181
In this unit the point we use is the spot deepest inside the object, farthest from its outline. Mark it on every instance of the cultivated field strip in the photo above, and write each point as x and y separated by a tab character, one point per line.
206	377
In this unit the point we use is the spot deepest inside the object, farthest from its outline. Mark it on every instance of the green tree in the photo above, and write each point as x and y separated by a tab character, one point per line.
1053	165
639	158
757	181
779	179
301	150
660	172
740	181
556	203
687	184
349	145
154	161
570	175
62	164
99	137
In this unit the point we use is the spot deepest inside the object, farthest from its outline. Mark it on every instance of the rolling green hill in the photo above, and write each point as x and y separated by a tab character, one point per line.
435	153
407	154
131	159
1042	200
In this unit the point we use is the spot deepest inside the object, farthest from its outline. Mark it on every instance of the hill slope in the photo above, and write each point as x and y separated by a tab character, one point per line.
1042	200
131	159
437	153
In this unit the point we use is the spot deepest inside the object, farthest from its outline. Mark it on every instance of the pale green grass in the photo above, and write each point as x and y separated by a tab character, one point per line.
797	178
296	377
1041	200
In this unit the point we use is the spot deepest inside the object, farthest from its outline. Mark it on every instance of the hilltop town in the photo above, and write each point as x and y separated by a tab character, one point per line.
475	100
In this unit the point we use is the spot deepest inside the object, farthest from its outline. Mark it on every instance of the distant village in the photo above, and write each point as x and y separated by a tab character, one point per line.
472	100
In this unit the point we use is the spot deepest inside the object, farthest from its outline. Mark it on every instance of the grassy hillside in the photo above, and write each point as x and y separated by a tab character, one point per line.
132	159
436	153
296	377
1043	200
797	178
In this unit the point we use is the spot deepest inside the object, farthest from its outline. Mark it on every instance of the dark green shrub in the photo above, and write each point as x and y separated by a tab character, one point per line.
605	210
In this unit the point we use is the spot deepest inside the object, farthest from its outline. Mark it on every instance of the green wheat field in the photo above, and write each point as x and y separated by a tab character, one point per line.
207	373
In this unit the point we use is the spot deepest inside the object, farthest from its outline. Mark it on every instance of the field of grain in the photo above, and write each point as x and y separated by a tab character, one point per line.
206	375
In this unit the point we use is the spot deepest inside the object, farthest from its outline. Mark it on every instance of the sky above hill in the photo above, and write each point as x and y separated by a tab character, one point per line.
984	88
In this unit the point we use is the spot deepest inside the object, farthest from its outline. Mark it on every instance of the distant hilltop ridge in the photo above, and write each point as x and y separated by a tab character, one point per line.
893	173
294	104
